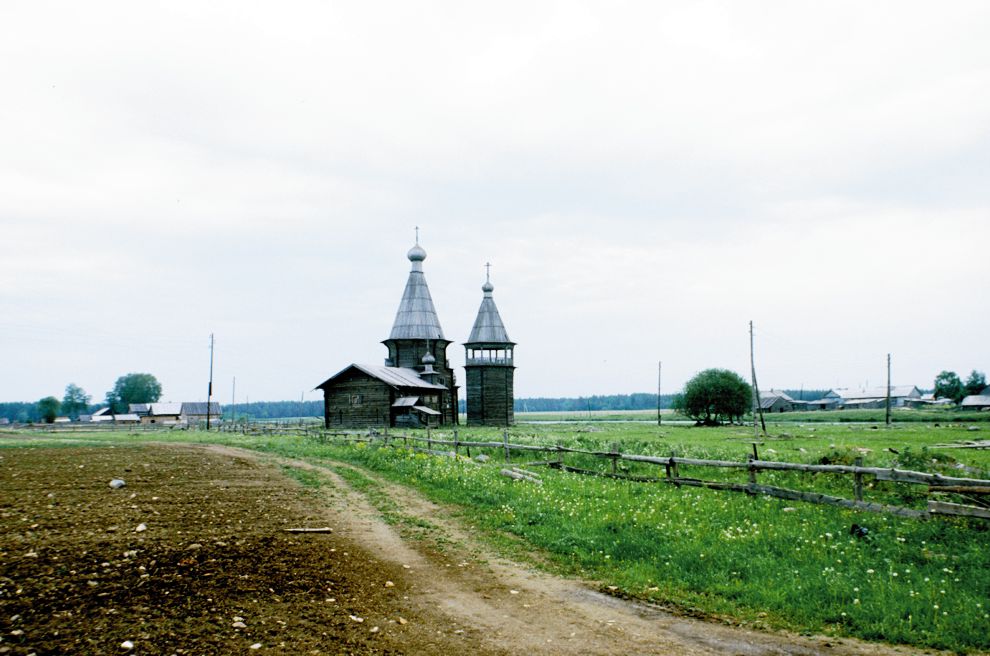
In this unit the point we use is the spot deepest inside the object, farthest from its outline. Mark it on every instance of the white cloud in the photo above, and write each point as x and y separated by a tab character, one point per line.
646	179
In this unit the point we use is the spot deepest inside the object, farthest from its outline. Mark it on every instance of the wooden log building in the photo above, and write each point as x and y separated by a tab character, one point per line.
417	386
489	365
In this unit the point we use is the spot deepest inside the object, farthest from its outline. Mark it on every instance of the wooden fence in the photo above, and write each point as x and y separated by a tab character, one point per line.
977	490
668	467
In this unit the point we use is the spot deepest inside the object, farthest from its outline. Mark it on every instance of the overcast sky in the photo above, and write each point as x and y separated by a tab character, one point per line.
645	178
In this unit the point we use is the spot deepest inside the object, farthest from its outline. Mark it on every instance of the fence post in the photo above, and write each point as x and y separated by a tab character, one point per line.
505	441
672	467
858	480
455	441
560	456
615	458
752	474
429	439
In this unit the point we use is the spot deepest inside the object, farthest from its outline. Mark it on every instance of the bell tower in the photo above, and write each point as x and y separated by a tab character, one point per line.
489	365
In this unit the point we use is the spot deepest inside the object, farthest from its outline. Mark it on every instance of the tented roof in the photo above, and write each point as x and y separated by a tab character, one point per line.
488	327
416	317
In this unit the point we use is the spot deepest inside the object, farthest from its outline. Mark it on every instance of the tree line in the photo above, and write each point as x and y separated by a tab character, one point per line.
948	385
128	389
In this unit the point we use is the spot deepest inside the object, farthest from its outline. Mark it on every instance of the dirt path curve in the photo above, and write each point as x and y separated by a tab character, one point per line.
503	605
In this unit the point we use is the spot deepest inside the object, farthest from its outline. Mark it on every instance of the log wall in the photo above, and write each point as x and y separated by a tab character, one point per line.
490	395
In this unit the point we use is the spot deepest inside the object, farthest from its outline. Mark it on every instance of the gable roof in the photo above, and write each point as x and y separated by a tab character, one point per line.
199	408
164	409
896	391
975	400
396	377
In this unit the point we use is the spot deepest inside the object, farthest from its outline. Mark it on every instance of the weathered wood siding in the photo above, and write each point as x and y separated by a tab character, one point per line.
357	401
409	353
490	395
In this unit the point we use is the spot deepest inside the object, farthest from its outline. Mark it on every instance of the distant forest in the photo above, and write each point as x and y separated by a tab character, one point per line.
28	412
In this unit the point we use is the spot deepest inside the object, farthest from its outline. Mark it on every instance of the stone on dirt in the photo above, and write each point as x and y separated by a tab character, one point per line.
117	483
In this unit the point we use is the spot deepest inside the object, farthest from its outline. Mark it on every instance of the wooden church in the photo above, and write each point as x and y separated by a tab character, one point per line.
416	386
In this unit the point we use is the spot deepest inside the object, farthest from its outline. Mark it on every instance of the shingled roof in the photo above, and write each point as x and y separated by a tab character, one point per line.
416	317
396	377
488	327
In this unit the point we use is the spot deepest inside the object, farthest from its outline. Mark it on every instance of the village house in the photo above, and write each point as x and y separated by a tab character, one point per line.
194	412
979	401
777	401
873	398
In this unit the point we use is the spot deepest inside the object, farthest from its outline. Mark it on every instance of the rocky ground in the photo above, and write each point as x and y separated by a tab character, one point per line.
190	557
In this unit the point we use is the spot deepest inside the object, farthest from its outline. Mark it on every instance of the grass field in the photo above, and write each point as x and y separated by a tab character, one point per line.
752	560
899	415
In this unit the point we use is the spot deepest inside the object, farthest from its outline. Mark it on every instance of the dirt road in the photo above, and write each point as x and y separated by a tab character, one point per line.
192	557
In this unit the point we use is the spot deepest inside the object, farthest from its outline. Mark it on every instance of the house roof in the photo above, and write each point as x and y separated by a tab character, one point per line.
406	402
139	408
488	327
416	317
975	400
398	377
896	391
775	394
164	409
199	408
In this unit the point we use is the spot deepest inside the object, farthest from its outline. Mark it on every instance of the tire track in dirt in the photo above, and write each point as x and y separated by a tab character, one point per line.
505	605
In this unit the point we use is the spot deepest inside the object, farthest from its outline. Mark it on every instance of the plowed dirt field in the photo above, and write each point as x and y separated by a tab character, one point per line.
192	556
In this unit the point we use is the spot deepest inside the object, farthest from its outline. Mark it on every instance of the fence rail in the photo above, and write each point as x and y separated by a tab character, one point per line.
937	483
973	489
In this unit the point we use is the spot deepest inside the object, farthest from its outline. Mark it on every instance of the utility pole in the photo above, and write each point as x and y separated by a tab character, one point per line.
757	404
209	389
233	396
659	372
887	418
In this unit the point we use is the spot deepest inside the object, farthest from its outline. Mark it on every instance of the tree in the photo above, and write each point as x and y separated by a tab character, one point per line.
133	388
48	409
948	386
714	396
976	382
75	401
